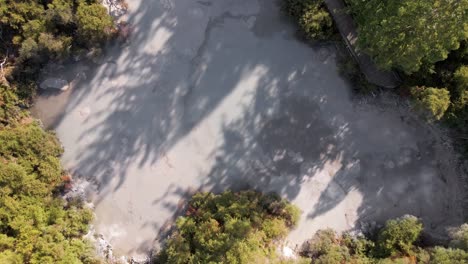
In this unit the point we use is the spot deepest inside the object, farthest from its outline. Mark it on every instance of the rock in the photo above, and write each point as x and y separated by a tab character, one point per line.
288	253
140	260
54	83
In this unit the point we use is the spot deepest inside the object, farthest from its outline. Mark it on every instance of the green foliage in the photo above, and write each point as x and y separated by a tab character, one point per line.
394	245
433	101
36	226
229	228
93	22
398	236
408	34
440	255
327	247
422	255
461	78
358	246
321	243
9	110
460	238
37	32
313	18
316	22
335	254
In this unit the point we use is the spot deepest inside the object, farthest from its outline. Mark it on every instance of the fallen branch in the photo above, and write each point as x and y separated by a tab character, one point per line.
3	63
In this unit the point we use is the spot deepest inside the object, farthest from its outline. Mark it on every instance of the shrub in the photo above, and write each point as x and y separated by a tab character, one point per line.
228	228
406	34
398	236
36	226
93	22
358	246
53	47
461	78
442	255
312	17
335	254
460	238
325	247
295	8
29	50
320	244
316	22
9	110
394	244
433	102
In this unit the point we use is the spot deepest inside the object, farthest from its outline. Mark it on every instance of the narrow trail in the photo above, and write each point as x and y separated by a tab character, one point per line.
347	29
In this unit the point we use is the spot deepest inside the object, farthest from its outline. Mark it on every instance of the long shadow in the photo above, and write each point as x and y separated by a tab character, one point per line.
296	132
146	90
367	164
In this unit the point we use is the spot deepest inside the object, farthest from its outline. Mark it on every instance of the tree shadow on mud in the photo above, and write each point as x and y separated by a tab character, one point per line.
276	153
297	147
145	98
145	89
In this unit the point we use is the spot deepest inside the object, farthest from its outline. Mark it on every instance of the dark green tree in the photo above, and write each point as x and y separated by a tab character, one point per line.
93	22
398	236
229	228
433	102
409	33
35	225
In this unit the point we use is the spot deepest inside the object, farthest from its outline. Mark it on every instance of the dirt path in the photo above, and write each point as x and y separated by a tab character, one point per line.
213	95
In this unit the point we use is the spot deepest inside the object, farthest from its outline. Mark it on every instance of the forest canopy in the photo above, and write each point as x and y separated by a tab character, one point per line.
229	228
36	224
408	34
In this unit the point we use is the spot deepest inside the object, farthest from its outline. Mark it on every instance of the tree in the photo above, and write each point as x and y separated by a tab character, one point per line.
316	22
461	78
460	238
324	248
93	21
229	228
440	255
313	18
398	235
9	110
409	33
35	225
434	102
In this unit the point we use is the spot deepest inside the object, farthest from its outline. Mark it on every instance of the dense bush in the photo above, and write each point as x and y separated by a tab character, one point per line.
93	23
440	255
460	238
461	78
247	227
313	18
395	243
325	247
34	32
398	235
33	24
408	34
35	225
9	110
433	102
229	228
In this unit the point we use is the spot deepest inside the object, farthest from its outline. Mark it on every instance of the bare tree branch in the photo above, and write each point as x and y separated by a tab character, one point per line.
3	63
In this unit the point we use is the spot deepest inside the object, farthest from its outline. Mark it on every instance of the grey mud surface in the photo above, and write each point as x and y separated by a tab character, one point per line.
211	95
